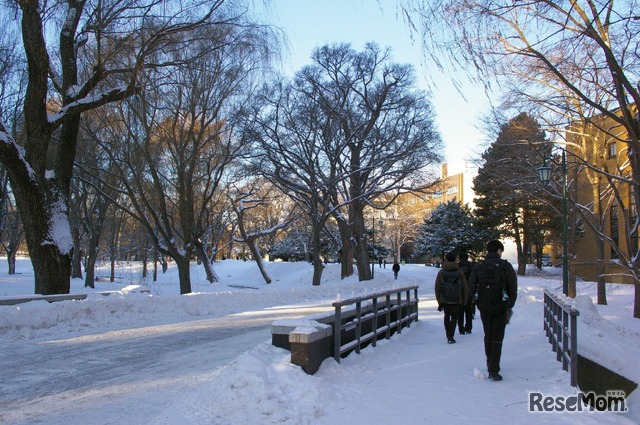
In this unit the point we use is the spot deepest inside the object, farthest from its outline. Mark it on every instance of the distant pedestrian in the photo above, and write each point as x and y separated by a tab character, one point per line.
380	262
384	264
495	287
396	269
466	311
451	293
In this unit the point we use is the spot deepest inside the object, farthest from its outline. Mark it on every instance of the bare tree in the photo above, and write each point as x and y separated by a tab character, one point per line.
11	229
386	127
93	196
181	138
11	95
295	150
402	220
248	202
349	128
80	56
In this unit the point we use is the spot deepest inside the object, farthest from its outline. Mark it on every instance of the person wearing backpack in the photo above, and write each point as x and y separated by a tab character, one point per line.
451	293
466	312
494	286
396	269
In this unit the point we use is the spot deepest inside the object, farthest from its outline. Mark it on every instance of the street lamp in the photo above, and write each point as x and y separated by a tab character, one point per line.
544	172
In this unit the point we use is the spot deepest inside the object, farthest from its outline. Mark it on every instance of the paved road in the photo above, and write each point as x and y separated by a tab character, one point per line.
54	381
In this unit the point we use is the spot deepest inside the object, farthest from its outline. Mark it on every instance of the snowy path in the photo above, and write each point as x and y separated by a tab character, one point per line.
62	379
207	359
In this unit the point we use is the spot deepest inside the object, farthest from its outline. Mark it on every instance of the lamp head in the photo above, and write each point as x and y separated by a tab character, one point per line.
544	172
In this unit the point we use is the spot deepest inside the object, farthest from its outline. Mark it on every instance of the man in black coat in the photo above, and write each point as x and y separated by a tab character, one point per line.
495	313
396	269
466	311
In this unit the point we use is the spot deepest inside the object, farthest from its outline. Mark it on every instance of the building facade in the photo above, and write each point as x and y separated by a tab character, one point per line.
602	203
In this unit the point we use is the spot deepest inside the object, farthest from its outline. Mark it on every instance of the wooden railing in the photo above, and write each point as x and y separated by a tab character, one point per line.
561	326
376	315
355	323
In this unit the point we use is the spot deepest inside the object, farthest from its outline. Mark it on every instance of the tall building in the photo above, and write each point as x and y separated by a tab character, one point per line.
456	184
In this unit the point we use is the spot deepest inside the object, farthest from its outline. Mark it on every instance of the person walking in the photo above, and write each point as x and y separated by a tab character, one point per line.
451	293
494	286
466	311
396	269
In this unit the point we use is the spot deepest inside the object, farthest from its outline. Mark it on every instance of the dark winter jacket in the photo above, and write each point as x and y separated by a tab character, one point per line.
451	266
510	274
466	266
396	267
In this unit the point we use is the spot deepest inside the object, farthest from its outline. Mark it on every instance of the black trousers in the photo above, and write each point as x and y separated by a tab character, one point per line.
465	318
494	327
450	318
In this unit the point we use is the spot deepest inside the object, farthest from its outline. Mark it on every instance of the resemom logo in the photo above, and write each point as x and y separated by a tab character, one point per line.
614	401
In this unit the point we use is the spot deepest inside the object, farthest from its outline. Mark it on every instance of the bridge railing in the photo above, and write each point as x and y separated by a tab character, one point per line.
561	327
389	312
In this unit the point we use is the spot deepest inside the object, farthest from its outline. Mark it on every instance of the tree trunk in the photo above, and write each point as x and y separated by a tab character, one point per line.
48	238
11	259
184	273
255	252
318	266
361	249
362	260
112	276
263	270
600	271
49	249
208	268
346	260
145	259
76	259
51	270
92	256
155	265
522	261
90	271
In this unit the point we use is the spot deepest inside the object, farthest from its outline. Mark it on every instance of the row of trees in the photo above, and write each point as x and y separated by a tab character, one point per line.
163	123
347	130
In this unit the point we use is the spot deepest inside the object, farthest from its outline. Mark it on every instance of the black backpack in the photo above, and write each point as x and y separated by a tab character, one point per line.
465	268
451	287
491	279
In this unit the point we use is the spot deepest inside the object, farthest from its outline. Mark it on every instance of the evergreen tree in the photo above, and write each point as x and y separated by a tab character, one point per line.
450	228
508	188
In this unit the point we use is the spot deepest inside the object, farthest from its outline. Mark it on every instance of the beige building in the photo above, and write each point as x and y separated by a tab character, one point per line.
610	205
455	185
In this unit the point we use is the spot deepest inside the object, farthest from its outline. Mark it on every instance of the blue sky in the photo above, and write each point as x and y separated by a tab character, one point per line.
312	23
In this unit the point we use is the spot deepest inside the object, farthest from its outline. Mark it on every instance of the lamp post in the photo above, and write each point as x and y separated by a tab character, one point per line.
544	172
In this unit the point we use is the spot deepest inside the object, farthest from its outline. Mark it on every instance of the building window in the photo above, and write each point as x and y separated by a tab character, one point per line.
612	150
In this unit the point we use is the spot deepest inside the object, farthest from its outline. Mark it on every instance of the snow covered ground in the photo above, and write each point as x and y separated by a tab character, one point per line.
413	378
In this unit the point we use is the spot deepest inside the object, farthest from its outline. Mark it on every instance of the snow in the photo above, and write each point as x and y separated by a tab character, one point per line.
413	378
60	232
